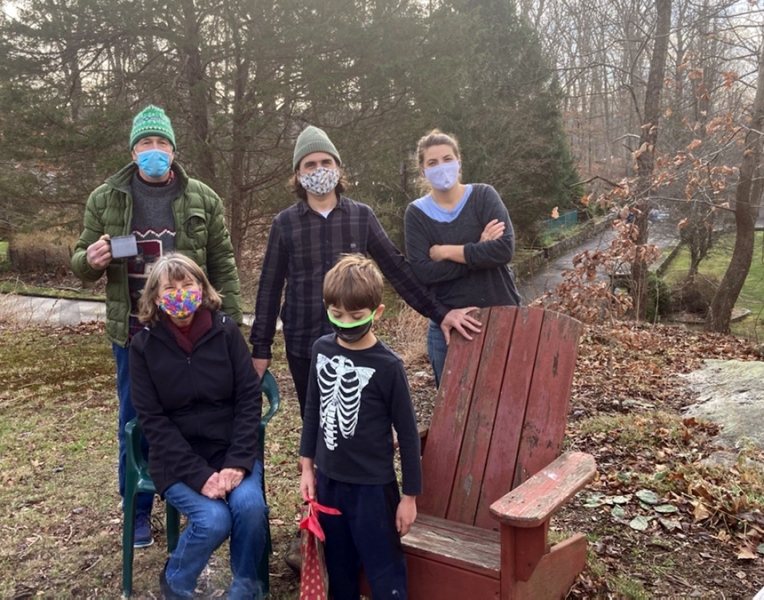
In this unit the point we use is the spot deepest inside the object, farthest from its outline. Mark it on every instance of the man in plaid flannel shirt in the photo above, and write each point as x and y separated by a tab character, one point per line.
305	241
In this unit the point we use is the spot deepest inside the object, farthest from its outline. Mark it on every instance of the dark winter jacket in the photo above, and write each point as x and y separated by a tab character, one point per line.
200	234
200	412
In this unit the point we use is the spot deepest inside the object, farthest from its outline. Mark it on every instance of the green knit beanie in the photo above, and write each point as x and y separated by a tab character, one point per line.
312	139
151	121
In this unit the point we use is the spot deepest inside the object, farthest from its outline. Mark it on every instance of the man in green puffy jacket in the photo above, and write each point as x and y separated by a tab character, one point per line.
160	209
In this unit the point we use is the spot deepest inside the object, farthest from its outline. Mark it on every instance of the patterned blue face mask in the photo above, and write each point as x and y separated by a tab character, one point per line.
321	181
154	163
444	176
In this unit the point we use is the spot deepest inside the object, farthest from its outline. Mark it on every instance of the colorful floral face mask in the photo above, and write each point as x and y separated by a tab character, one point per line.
181	303
321	181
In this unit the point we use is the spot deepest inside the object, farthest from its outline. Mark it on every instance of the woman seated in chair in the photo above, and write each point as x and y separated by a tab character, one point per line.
198	401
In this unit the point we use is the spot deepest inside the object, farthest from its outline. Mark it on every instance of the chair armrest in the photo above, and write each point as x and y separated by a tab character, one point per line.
423	431
133	438
271	392
422	436
537	499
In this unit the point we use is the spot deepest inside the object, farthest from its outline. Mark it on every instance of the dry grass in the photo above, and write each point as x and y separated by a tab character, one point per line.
409	330
60	516
60	513
47	250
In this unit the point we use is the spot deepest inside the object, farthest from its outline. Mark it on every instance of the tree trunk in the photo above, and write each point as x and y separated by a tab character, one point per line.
201	153
646	158
747	199
241	116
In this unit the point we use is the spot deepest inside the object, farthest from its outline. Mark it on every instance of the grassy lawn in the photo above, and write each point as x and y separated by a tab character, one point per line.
715	265
19	287
60	512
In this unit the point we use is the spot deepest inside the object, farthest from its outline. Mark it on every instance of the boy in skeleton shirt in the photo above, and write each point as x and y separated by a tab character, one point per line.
357	391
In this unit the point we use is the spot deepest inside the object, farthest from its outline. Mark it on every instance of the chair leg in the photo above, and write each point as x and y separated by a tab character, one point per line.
173	526
262	568
128	539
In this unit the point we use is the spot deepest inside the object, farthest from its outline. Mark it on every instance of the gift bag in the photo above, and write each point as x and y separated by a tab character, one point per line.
314	582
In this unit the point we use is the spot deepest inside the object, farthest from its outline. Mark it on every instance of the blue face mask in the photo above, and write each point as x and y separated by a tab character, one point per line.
444	176
154	163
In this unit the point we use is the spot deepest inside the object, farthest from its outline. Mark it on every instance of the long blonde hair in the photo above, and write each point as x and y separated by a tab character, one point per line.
175	267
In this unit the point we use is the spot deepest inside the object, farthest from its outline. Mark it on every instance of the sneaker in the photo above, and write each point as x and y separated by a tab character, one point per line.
292	557
142	537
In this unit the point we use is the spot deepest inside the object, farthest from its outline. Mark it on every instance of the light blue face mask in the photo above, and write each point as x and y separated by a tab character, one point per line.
444	176
154	163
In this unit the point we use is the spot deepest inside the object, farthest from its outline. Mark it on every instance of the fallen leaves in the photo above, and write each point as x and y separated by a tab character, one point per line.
655	489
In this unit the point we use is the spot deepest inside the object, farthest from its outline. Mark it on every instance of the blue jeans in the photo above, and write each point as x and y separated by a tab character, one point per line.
243	516
436	349
144	502
364	534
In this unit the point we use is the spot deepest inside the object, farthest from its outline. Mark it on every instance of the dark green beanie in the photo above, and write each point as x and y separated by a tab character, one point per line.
312	139
151	121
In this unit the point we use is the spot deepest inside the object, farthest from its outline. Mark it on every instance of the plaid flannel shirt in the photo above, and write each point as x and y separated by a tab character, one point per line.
302	246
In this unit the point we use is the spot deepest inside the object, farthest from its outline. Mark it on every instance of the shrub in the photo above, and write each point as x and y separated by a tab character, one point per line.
658	297
42	250
410	331
694	294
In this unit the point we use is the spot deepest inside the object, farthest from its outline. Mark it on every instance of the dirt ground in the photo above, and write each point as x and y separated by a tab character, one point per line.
626	410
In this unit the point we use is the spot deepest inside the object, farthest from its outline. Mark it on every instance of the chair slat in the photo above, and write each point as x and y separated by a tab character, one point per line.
547	410
480	421
452	406
512	400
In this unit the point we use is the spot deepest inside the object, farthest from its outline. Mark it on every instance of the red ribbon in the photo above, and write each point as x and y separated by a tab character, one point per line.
310	522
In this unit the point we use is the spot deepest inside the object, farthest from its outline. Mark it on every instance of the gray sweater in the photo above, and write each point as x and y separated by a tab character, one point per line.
486	279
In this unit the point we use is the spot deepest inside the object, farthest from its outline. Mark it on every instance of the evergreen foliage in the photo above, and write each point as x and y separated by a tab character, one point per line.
241	79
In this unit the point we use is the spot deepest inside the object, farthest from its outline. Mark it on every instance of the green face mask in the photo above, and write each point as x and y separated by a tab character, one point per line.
351	332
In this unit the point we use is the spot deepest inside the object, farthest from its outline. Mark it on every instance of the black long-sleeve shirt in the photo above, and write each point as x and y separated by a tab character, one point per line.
302	246
486	279
355	397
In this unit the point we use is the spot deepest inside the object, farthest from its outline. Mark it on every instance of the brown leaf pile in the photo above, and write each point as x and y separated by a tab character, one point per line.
630	365
655	497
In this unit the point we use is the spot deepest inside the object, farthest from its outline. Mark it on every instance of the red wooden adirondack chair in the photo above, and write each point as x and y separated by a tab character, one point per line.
493	474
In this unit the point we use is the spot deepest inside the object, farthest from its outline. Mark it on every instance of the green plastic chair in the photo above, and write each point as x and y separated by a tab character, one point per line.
138	480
